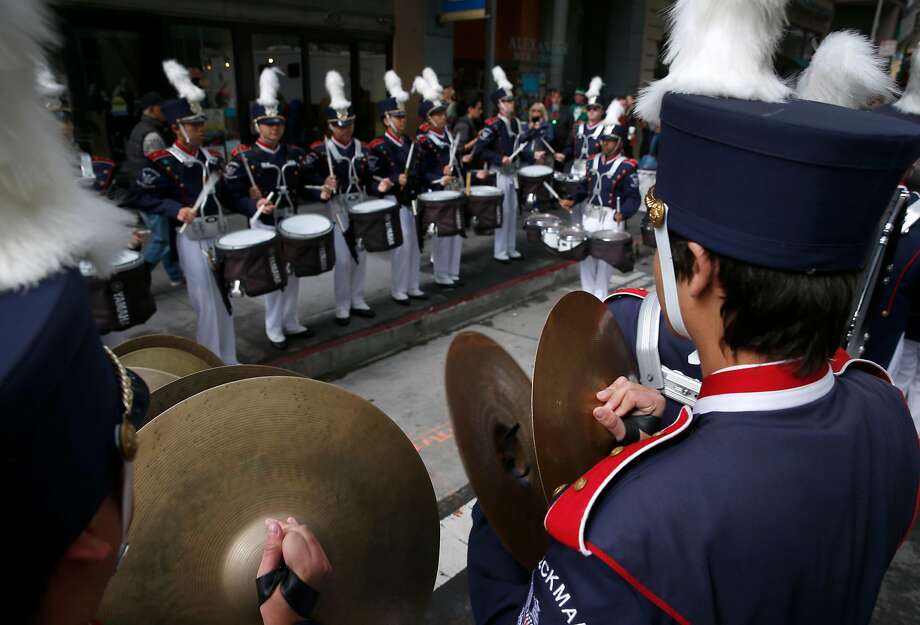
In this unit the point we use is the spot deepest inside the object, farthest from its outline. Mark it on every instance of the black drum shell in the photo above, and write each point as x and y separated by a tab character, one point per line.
618	253
377	231
123	300
535	185
566	187
446	215
484	212
310	257
259	268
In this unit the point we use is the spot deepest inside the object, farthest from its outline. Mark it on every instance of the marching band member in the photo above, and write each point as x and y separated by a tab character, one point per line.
182	182
275	169
586	141
440	168
654	532
612	190
345	176
496	145
394	161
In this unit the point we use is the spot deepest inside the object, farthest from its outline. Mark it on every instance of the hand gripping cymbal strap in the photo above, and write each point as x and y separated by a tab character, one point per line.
647	343
669	281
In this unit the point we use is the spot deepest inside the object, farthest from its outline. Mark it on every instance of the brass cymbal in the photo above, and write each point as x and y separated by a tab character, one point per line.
489	399
154	378
167	396
213	467
173	354
581	351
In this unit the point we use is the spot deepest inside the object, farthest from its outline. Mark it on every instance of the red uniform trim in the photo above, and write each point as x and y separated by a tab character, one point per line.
104	160
659	603
317	144
158	154
842	361
215	152
491	120
640	293
897	283
373	144
778	377
239	150
424	127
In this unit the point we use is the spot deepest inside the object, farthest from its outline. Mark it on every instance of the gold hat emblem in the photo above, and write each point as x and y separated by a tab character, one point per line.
657	209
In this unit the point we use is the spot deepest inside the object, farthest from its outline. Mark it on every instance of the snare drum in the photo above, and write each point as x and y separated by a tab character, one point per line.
251	262
484	207
376	225
124	299
535	224
443	209
573	243
613	247
566	185
532	179
308	244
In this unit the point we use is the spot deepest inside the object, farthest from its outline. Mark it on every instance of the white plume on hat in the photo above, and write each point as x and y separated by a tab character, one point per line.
335	86
594	89
615	112
49	221
394	86
720	48
179	78
432	78
269	85
498	74
910	101
425	89
46	84
845	70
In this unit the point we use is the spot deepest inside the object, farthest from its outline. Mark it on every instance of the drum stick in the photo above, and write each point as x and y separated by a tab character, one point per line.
517	151
548	146
203	196
551	190
469	182
252	180
329	161
409	158
254	218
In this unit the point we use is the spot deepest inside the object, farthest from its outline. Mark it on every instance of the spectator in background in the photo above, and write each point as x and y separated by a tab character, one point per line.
579	114
148	136
561	119
467	127
450	96
539	135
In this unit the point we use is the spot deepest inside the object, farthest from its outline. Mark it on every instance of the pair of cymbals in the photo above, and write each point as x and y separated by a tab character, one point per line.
212	467
162	358
519	446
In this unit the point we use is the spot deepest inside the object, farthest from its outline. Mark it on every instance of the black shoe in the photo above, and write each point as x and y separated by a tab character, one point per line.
458	282
366	313
279	345
342	321
517	258
504	261
303	334
422	298
445	287
402	302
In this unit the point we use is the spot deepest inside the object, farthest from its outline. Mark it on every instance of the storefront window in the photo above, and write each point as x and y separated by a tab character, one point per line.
208	54
372	61
322	58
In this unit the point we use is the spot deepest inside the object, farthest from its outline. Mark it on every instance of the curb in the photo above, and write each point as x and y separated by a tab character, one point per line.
336	356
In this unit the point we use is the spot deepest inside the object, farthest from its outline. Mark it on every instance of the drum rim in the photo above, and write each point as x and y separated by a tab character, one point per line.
387	204
523	170
136	262
258	232
452	195
599	235
302	236
493	191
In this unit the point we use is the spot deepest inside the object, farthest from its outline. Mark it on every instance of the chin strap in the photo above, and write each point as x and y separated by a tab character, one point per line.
658	216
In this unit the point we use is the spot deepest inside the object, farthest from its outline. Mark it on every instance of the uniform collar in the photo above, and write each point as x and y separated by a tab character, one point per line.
267	147
439	133
397	140
762	387
193	152
340	146
591	126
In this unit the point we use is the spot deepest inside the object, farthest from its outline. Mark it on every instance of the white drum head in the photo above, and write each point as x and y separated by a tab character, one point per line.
535	171
485	191
241	239
440	196
306	226
372	206
126	260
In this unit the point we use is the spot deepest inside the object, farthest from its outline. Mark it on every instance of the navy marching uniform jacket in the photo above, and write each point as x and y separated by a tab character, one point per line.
318	164
387	159
643	537
103	170
891	309
500	137
281	169
618	180
435	148
586	143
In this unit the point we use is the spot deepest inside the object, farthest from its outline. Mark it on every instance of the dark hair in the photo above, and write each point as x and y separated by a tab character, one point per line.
471	100
778	314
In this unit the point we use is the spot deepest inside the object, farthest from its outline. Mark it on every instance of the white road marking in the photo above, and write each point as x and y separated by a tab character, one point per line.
455	534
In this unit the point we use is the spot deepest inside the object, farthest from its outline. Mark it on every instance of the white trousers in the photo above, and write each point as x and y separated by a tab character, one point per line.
907	378
215	325
281	306
595	277
405	260
348	276
506	236
445	255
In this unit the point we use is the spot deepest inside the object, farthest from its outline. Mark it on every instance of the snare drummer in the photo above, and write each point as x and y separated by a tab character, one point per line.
586	141
170	185
440	168
612	189
340	163
496	145
275	169
394	162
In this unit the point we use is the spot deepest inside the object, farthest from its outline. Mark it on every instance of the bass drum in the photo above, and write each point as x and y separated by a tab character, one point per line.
308	245
123	300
